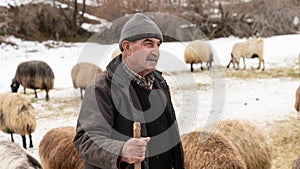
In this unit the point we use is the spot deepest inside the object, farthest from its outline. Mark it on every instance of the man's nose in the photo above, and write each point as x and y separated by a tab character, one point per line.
155	51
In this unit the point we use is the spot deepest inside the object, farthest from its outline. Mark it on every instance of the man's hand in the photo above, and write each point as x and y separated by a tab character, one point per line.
134	150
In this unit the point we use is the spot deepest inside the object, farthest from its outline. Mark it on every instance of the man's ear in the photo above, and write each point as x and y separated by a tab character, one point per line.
125	46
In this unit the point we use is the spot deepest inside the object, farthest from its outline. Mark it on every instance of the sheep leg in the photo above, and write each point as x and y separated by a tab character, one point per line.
258	64
263	62
81	94
30	141
24	141
12	137
192	69
201	66
35	93
237	65
229	64
233	63
24	90
47	96
244	63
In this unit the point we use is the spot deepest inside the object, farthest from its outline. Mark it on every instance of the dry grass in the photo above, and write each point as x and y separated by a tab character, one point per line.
268	73
286	136
275	71
250	73
57	107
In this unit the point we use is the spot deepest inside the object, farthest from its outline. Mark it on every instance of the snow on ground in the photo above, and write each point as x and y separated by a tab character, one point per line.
199	98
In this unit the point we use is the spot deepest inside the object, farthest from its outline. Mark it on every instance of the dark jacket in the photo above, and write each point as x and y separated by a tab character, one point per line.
106	119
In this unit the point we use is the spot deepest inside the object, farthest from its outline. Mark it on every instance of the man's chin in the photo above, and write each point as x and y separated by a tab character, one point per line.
151	68
148	70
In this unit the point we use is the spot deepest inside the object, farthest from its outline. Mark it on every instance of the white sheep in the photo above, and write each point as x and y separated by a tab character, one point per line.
13	156
83	74
249	49
116	53
297	100
210	150
196	52
57	151
17	116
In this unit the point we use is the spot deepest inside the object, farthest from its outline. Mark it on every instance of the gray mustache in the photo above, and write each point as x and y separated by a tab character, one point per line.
151	57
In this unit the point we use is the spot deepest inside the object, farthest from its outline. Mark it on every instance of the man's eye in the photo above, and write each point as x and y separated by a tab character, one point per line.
148	43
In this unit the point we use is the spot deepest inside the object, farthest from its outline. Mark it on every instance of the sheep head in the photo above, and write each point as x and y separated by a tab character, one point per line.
260	39
14	86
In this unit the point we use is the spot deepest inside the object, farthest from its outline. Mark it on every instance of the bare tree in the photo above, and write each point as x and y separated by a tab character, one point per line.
75	12
83	9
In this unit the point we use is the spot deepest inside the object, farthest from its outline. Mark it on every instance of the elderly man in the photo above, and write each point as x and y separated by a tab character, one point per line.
130	90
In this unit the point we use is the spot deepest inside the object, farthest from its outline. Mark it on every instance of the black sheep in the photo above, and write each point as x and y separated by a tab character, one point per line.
33	75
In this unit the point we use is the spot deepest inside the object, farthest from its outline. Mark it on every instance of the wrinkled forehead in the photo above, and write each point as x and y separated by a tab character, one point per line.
152	40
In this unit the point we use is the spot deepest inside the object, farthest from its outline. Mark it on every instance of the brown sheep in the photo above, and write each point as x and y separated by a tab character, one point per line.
249	141
17	116
210	150
13	156
83	74
57	151
196	52
33	75
250	49
297	101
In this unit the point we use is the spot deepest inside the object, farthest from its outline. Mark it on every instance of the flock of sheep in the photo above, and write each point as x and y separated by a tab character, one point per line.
235	144
198	51
18	116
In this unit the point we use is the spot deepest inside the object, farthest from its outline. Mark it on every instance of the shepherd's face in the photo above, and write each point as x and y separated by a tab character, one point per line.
141	55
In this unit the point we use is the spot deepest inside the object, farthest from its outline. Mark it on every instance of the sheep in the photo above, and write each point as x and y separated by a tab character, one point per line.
296	163
83	74
13	156
34	75
214	151
249	49
116	53
17	116
297	101
249	141
196	52
56	150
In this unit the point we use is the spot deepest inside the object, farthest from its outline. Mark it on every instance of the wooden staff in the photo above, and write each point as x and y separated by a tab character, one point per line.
137	134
